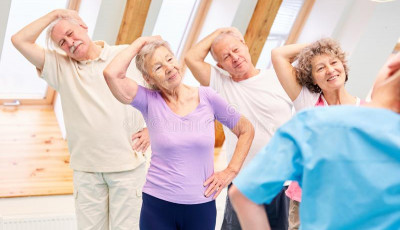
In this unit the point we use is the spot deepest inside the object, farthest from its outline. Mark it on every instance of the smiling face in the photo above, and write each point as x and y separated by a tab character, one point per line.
72	39
233	56
163	69
328	72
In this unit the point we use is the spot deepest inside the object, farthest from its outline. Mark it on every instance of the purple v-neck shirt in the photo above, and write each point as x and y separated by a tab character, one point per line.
182	146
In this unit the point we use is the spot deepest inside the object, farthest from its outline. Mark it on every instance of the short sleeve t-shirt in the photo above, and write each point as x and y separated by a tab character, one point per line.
99	128
182	146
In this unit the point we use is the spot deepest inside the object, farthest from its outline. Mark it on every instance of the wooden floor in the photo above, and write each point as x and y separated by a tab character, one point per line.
34	157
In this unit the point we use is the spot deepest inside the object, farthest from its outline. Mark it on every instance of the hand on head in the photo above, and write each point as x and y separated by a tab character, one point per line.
65	13
148	39
235	31
387	86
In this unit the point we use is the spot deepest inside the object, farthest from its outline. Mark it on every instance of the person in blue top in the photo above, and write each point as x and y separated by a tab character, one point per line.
350	153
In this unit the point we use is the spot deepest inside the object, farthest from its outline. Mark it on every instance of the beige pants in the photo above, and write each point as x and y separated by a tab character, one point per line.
294	220
109	200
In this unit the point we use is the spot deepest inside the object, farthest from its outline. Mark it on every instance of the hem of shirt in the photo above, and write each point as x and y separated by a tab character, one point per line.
161	197
119	168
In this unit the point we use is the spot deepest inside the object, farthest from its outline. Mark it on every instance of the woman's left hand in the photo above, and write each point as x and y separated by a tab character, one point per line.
141	140
218	181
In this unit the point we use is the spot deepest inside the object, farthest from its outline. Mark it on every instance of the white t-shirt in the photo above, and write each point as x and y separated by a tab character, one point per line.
307	99
261	99
99	127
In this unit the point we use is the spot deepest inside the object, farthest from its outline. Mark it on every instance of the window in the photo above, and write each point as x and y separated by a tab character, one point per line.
280	30
18	77
174	21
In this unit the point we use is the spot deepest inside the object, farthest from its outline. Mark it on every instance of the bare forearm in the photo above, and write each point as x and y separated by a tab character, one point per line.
119	65
25	39
194	58
282	58
245	133
200	51
288	52
31	32
251	215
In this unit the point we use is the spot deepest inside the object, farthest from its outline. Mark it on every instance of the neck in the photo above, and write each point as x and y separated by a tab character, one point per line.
174	95
339	97
251	73
93	51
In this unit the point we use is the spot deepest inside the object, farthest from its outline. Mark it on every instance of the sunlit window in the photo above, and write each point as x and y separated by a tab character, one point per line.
173	22
18	77
280	30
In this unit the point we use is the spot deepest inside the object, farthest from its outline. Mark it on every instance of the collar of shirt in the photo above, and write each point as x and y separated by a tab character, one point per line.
103	54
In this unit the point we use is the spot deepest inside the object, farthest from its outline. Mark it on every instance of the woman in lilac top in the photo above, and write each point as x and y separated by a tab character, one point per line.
181	184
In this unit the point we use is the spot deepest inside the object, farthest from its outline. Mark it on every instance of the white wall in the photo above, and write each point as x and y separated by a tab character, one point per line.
220	14
109	20
367	31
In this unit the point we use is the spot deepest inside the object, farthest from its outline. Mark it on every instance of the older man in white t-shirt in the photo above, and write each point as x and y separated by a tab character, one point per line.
108	173
257	94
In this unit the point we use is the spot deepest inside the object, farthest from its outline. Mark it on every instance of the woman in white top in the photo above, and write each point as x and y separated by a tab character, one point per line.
318	79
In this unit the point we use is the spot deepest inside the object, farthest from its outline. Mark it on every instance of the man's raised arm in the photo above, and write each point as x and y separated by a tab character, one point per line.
25	39
194	58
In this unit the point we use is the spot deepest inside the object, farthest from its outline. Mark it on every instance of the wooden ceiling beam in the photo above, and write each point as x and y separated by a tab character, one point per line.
195	29
133	21
260	25
74	4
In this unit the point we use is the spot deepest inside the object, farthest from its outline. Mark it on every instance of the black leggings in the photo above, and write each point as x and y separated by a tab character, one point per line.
163	215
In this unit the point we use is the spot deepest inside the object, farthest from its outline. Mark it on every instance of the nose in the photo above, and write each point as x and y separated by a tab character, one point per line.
69	41
234	56
330	69
169	67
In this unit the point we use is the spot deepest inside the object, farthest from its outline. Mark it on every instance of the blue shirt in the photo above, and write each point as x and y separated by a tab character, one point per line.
347	161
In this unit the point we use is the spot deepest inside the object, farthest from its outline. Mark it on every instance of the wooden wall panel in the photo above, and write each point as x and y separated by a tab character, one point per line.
260	25
133	21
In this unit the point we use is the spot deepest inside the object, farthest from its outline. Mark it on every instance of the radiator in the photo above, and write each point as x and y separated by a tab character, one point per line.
38	222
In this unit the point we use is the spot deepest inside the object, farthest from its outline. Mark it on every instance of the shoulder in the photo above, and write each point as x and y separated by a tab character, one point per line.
207	91
112	50
305	99
54	54
217	72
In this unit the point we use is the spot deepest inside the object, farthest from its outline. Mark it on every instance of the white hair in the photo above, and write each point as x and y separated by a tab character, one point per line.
219	37
50	43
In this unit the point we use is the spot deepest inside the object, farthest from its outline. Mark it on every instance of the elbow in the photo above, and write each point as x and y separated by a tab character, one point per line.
274	54
15	40
108	74
187	58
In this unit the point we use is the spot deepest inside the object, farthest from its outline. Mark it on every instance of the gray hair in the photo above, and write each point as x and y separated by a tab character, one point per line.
49	42
219	37
148	51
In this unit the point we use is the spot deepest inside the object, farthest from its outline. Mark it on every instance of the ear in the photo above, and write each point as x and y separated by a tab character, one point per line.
149	80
